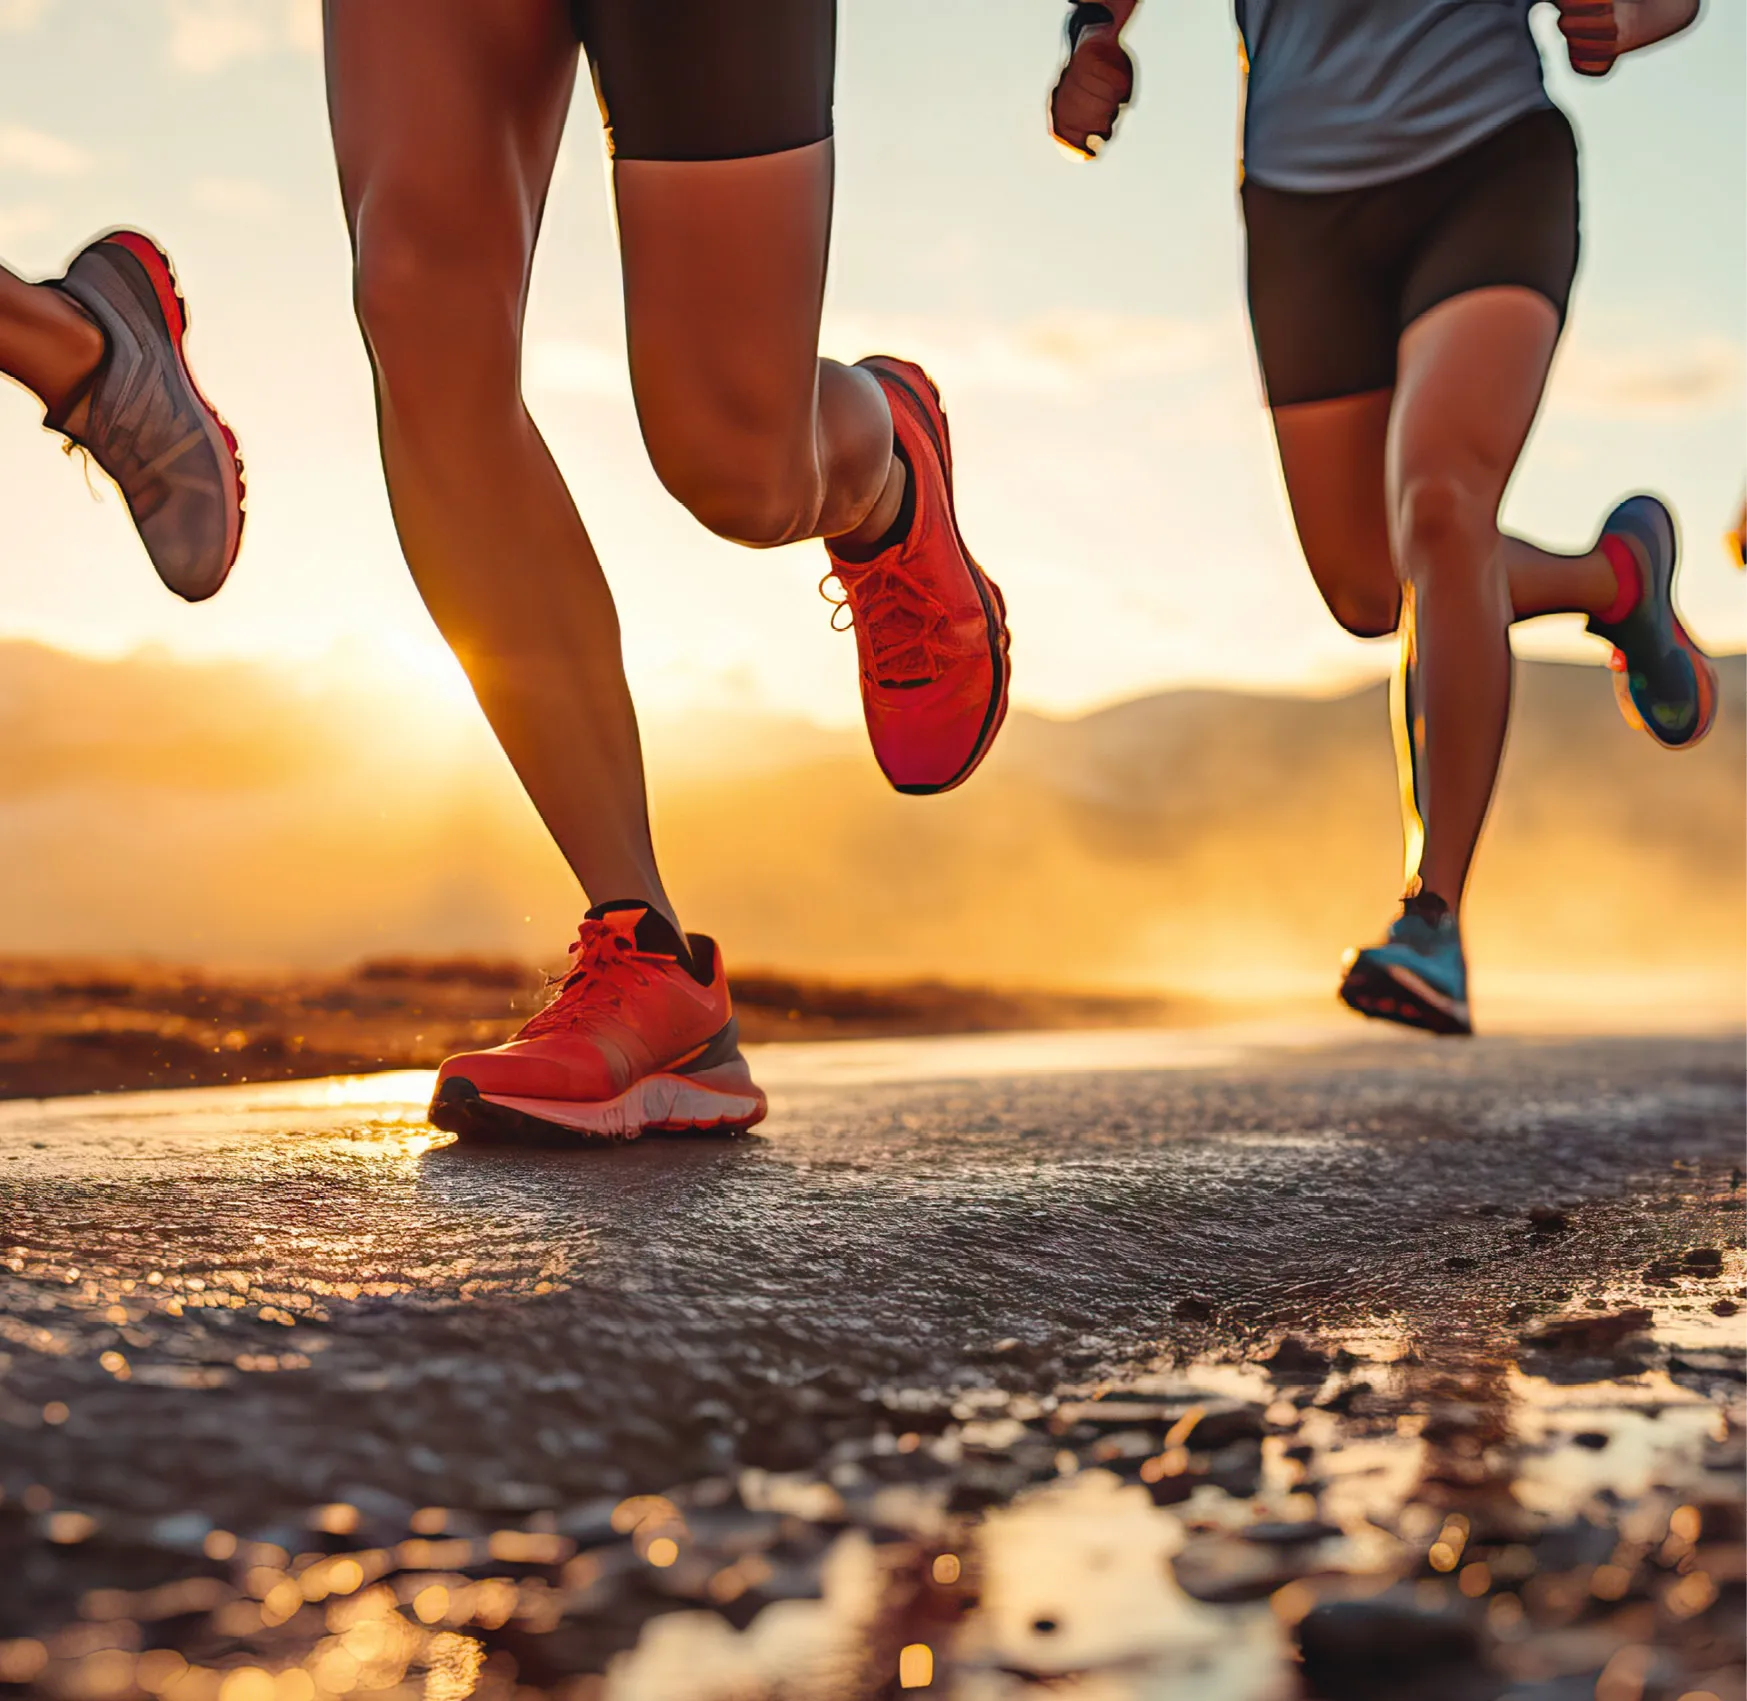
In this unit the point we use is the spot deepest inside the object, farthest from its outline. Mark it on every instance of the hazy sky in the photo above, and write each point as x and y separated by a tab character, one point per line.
1085	321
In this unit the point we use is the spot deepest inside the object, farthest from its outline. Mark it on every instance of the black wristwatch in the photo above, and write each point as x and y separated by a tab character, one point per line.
1085	15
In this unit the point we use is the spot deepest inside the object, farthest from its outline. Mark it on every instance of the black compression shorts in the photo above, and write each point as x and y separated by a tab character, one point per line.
1336	277
710	79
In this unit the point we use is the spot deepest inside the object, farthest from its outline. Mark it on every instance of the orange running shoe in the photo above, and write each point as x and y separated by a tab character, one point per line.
930	624
635	1041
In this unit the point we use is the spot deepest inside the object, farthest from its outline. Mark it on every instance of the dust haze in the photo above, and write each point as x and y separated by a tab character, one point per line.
1206	842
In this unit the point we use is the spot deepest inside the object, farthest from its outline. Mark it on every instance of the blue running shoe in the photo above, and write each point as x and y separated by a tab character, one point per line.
1417	976
1663	680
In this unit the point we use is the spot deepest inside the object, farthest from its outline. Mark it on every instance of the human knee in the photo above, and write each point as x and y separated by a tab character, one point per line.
1440	515
1366	613
432	304
748	498
391	289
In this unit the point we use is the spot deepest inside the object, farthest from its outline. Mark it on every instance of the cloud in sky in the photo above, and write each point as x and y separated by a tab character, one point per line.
17	16
1063	355
244	197
26	220
39	154
575	366
1646	379
208	35
1059	356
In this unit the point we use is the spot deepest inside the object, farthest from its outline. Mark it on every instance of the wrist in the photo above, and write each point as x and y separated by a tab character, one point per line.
1085	15
1629	28
1644	23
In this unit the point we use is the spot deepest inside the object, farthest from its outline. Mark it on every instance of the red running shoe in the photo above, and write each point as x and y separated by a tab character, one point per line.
930	624
634	1042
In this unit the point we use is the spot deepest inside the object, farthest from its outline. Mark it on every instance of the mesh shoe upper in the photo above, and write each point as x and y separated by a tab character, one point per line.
930	625
147	426
1432	950
622	1011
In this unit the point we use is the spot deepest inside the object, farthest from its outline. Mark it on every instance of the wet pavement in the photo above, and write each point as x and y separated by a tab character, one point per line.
1223	1366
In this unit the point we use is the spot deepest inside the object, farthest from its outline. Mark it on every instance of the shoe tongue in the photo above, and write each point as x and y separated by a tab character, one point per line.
650	931
1428	906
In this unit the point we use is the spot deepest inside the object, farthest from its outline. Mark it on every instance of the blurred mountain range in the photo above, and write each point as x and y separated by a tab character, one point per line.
1208	842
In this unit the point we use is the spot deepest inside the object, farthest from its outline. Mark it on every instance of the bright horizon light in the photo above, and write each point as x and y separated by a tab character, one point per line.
1085	323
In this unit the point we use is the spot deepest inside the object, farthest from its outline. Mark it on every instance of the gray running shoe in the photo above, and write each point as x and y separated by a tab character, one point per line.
148	426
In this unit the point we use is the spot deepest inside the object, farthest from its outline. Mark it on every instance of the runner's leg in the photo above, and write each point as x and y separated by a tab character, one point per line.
724	265
720	116
1471	374
447	117
46	343
1332	456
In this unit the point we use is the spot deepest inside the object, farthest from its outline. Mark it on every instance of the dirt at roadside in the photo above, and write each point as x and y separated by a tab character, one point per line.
87	1025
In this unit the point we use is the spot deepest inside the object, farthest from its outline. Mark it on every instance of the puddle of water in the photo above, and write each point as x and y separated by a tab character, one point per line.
1322	1522
1447	1511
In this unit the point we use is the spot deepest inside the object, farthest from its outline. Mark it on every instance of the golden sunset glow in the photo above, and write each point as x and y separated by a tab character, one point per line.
1084	321
296	774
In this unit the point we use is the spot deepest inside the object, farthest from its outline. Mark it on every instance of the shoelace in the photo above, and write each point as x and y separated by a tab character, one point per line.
908	629
71	447
602	960
152	482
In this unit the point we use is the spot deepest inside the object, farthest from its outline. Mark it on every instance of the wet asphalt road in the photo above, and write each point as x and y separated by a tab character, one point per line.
225	1308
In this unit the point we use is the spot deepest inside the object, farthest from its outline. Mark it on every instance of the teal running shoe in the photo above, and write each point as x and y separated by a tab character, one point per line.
1663	680
1417	976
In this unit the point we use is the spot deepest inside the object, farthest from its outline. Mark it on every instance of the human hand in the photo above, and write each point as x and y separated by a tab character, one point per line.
1593	38
1094	86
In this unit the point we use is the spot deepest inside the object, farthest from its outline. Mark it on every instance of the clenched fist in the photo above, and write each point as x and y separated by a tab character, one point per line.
1097	81
1593	38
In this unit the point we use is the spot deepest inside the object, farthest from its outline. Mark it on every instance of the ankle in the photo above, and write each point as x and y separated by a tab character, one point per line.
77	348
1628	580
1430	905
887	523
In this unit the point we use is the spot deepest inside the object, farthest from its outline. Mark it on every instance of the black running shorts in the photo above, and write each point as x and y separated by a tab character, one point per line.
1335	277
710	79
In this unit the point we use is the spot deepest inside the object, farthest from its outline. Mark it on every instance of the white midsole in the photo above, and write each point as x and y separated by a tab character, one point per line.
719	1098
1454	1007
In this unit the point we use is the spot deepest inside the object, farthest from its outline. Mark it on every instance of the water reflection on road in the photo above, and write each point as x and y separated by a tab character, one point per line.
1221	1372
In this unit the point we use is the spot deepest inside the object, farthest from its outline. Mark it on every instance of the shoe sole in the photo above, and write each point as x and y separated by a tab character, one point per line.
720	1101
927	403
1398	995
1707	694
160	279
1704	672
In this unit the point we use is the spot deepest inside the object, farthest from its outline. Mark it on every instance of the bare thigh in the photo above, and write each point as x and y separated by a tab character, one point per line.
446	119
1471	374
724	265
1332	457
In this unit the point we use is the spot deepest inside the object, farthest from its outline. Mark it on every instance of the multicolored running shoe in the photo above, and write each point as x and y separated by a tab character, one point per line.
930	624
146	424
1417	976
1663	680
639	1039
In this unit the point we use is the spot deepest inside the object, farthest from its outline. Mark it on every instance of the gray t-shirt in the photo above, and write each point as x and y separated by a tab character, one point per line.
1345	93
